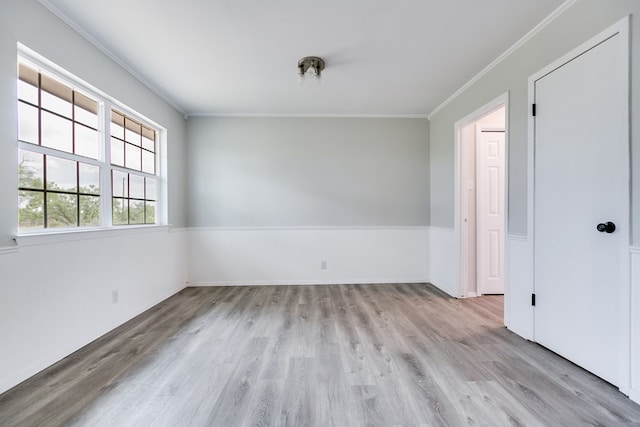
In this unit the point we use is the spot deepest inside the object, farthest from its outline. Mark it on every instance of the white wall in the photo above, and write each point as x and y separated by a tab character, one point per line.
294	255
55	295
443	269
634	392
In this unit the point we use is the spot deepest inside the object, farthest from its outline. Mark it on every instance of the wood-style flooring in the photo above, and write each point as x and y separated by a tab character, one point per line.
335	355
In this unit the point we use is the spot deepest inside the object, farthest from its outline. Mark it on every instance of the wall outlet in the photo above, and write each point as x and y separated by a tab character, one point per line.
323	265
115	297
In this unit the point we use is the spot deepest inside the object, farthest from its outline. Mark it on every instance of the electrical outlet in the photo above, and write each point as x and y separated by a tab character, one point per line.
115	297
323	265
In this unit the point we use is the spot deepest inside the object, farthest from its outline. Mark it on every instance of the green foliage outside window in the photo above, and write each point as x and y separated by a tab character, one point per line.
63	209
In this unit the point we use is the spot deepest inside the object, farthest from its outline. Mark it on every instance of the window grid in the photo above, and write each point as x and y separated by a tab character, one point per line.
85	197
123	199
76	100
44	97
130	136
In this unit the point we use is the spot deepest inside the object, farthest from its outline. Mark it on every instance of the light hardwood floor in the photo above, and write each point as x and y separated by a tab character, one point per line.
336	355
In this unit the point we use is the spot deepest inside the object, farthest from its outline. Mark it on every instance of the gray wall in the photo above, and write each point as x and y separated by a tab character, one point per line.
28	22
582	21
288	172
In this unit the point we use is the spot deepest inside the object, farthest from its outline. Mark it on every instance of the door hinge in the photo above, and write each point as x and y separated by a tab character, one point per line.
533	109
533	299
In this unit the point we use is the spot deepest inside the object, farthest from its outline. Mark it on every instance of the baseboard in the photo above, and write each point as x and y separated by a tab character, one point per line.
309	282
634	395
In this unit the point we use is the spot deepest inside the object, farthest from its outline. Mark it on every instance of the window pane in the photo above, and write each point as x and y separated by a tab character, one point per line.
89	178
85	110
30	170
89	211
27	123
148	139
150	213
148	162
55	104
27	92
56	132
55	96
133	132
132	157
117	152
120	213
30	210
61	174
27	84
117	125
152	191
136	212
86	141
119	184
136	186
62	210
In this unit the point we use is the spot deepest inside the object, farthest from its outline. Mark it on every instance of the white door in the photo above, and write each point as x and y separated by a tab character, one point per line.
490	211
581	179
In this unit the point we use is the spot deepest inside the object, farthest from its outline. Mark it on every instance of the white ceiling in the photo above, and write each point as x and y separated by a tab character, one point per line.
383	57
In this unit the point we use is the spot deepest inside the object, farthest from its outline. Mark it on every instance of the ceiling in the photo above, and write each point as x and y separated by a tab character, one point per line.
230	57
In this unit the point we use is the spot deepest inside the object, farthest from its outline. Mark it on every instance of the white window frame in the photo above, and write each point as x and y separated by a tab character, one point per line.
105	104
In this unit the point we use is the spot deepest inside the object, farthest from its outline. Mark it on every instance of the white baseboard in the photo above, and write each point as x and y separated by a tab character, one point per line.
313	282
283	256
634	395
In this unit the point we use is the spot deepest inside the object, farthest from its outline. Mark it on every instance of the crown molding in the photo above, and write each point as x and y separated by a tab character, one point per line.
543	24
86	35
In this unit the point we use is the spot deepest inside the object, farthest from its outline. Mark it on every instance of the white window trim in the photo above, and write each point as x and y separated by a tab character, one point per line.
105	104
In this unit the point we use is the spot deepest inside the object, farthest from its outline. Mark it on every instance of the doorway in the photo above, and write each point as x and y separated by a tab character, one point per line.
481	157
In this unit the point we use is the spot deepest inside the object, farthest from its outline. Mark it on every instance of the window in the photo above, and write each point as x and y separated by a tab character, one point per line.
76	168
133	146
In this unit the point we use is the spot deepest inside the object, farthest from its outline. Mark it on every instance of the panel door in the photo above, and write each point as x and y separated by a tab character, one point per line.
581	180
490	206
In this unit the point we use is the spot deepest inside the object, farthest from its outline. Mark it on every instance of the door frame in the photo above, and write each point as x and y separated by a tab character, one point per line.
460	176
624	334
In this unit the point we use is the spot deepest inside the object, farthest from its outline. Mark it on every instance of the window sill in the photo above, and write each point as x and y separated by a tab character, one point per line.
51	237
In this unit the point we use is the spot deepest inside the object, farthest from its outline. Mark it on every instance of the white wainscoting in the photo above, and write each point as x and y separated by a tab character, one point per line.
634	391
443	260
518	312
265	256
57	297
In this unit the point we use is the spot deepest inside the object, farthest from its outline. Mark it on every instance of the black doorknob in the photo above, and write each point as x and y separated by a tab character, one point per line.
606	227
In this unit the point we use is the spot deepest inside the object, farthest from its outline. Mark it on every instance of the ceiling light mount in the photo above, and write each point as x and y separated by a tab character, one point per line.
311	65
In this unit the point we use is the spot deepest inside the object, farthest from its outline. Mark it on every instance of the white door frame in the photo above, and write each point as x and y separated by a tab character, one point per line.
460	177
621	28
